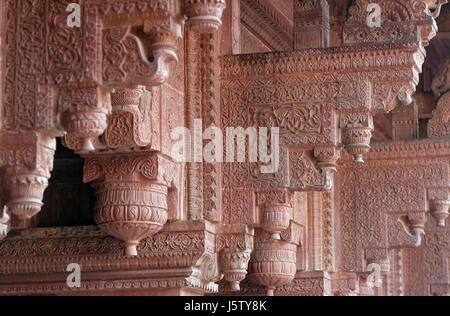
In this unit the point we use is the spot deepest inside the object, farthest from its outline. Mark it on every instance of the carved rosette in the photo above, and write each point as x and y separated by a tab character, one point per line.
131	192
84	114
234	265
273	264
204	16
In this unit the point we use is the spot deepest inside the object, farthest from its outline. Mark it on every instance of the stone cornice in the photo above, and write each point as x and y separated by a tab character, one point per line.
128	284
51	250
268	24
334	59
416	149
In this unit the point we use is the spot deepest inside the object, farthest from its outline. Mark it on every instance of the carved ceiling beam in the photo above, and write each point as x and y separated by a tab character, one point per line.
349	85
268	24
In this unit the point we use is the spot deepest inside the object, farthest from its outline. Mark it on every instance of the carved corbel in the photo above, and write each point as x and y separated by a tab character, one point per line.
131	193
327	157
274	259
276	209
130	124
303	174
416	21
204	16
273	262
439	205
27	160
407	231
357	131
137	59
84	111
235	246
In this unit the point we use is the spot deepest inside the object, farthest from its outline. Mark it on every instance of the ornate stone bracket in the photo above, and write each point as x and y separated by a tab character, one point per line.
126	61
130	121
274	262
401	21
131	194
274	259
84	113
439	205
204	16
27	161
406	231
357	133
234	245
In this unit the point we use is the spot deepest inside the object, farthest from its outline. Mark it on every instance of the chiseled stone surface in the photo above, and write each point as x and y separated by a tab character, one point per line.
342	215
